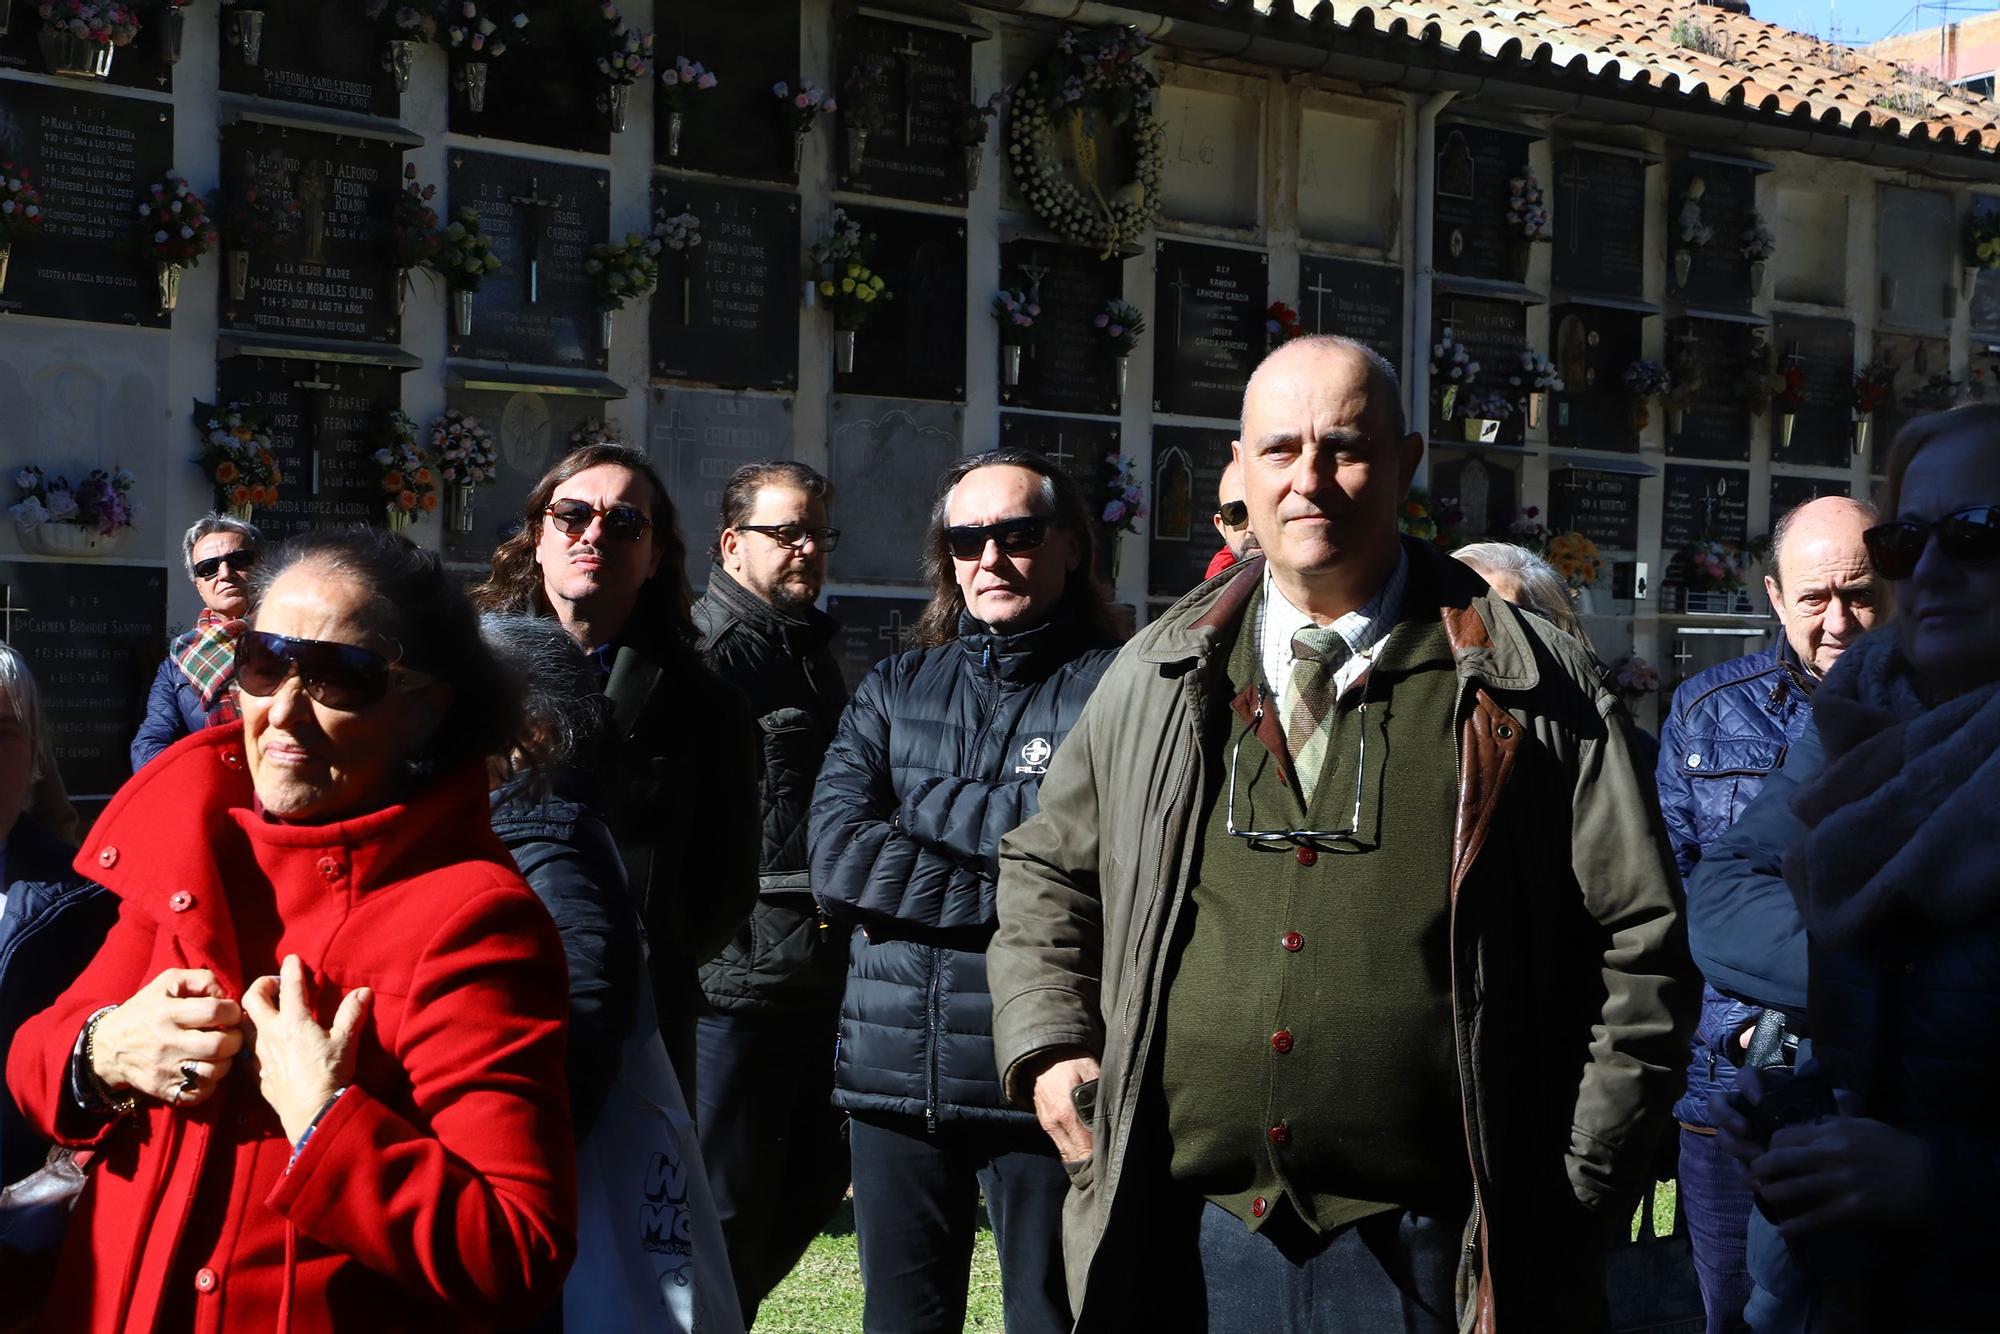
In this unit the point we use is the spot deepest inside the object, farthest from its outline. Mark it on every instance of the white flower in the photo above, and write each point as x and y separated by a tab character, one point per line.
62	506
29	513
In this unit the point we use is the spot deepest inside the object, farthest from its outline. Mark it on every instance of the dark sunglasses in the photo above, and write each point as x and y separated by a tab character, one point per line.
237	561
792	536
622	523
1233	513
1012	536
339	676
1970	537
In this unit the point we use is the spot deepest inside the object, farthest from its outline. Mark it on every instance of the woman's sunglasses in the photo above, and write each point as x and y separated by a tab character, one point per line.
339	676
237	561
1012	536
622	523
1970	537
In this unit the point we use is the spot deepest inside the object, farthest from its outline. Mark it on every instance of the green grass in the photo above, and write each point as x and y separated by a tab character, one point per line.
823	1295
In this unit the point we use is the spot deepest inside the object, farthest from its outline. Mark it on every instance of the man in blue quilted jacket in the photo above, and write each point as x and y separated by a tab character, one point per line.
1729	730
940	753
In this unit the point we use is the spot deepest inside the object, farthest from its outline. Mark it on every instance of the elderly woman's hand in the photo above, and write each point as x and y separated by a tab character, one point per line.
173	1040
300	1066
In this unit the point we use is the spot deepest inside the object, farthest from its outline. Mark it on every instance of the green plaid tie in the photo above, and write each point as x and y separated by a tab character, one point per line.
1317	653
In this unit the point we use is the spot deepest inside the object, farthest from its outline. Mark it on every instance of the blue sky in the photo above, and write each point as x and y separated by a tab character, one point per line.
1863	20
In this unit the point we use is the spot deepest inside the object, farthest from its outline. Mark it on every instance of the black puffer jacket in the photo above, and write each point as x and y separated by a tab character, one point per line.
780	959
941	752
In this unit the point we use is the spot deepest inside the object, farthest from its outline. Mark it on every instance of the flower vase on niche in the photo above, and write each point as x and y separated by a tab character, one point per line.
74	57
399	58
461	311
472	80
1860	435
458	506
618	105
675	119
1537	404
857	148
1683	267
843	351
247	29
173	33
6	253
169	276
1010	364
239	274
1787	419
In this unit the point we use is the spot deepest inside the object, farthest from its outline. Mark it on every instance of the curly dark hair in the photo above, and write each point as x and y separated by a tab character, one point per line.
515	582
1063	499
416	604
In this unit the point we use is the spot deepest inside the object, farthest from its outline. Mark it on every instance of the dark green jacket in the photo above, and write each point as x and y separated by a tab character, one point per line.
1571	984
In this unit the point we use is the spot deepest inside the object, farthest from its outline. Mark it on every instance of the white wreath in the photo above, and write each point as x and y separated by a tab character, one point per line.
1109	222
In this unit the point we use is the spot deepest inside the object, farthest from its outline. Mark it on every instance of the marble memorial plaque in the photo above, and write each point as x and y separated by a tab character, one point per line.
93	155
914	345
1789	491
1718	272
1181	537
1068	366
94	635
728	312
698	439
906	84
1355	300
545	90
326	422
1920	259
1494	332
331	277
1486	490
543	218
1593	347
324	55
1822	429
1705	504
1986	285
1474	166
1600	223
1716	424
1603	506
532	431
1920	381
739	127
885	459
871	629
1208	329
1080	446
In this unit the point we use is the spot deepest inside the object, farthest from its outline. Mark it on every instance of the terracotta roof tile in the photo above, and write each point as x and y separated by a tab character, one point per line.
1761	67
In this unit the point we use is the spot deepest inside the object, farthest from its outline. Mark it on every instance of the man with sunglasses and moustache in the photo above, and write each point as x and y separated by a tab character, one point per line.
1342	960
600	551
940	753
770	1136
1232	522
1730	728
196	684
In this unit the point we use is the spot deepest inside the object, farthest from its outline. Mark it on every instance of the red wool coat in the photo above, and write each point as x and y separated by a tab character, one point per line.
440	1191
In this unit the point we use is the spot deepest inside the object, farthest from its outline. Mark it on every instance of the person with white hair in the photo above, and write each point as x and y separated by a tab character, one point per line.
1521	577
196	684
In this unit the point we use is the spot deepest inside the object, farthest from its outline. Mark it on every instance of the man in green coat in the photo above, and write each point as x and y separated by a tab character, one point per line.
1344	960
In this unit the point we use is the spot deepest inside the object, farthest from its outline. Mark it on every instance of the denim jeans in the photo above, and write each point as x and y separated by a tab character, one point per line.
916	1211
1715	1199
1390	1274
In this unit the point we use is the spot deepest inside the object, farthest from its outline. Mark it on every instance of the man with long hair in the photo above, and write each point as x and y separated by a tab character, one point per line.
599	550
940	753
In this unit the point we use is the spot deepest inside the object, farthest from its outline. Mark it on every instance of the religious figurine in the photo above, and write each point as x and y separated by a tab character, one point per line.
312	189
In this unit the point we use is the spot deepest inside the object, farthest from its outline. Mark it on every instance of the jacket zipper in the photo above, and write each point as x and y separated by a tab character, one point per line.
933	1020
1473	1237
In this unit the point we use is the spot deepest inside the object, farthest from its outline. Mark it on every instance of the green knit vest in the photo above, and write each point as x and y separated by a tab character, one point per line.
1308	1055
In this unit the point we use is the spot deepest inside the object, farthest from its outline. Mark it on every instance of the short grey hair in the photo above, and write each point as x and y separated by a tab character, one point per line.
208	525
558	689
1385	386
19	683
1542	589
1783	529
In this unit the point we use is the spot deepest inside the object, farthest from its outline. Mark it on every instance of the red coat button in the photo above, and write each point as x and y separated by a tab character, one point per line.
107	856
1258	1207
232	758
1292	941
204	1279
1280	1134
331	868
1281	1041
181	901
1307	856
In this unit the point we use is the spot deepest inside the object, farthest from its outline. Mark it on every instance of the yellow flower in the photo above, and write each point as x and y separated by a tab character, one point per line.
876	283
854	270
846	285
826	289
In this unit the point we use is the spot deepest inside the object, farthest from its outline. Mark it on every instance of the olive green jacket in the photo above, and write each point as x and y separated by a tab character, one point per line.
1571	984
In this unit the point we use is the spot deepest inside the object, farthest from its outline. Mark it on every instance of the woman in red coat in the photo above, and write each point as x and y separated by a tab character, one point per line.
320	1056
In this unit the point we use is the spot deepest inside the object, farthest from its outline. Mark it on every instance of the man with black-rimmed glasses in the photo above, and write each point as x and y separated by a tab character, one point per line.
777	1163
1343	959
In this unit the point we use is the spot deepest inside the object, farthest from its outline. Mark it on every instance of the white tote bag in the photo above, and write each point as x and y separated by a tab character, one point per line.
649	1251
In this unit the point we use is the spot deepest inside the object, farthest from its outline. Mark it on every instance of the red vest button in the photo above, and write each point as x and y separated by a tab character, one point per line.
1307	856
181	901
1258	1208
1292	941
107	856
204	1279
1281	1041
1280	1134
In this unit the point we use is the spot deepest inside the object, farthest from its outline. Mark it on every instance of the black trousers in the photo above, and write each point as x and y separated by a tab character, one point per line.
916	1198
770	1138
